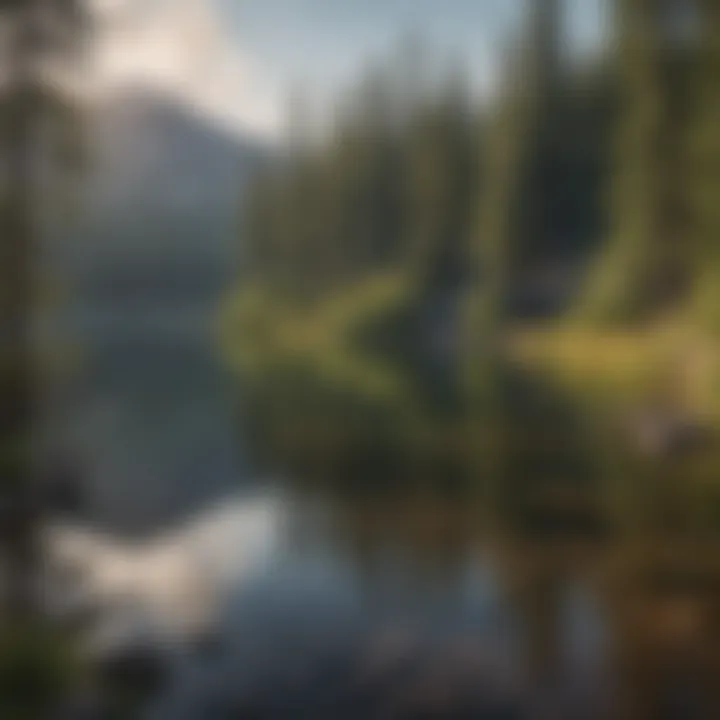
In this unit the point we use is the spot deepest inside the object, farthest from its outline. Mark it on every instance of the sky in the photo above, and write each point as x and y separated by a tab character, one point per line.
324	41
240	60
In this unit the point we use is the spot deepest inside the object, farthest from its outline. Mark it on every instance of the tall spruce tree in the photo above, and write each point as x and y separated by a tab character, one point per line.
644	269
705	168
439	182
510	212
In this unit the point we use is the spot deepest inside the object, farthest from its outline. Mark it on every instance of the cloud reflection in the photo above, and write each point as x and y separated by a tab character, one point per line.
168	588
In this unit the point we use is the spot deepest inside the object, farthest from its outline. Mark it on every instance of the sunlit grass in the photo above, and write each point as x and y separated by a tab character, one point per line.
259	332
671	362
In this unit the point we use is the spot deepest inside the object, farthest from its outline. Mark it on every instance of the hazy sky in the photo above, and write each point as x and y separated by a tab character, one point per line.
239	60
321	43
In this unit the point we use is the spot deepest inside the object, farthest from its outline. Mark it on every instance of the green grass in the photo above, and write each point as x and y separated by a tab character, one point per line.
260	334
626	367
674	361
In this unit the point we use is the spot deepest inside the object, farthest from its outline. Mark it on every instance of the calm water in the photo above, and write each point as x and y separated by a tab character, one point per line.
302	549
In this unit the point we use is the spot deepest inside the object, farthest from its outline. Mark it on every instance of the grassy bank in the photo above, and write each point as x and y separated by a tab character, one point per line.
260	333
671	364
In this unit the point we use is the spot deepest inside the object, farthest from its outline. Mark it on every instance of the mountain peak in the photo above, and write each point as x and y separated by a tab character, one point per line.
181	48
151	150
160	203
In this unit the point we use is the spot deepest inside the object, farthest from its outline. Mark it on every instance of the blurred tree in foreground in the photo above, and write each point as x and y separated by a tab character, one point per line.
41	46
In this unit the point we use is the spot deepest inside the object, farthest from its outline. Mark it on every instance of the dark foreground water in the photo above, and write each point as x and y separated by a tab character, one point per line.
299	548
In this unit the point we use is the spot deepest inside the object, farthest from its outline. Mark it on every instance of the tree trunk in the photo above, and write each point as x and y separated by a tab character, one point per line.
17	382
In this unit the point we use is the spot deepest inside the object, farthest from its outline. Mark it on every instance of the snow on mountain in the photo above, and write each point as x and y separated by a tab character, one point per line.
184	48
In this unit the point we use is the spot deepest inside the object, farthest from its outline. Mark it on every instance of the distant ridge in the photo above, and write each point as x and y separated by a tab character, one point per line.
159	206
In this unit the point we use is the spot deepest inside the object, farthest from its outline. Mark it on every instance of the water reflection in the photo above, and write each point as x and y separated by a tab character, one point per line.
429	553
167	589
598	569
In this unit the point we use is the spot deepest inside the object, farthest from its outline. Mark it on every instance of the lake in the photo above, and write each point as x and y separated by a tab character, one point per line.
298	548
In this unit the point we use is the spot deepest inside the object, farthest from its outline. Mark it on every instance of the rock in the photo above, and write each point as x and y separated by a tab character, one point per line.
140	670
663	434
387	654
61	486
459	682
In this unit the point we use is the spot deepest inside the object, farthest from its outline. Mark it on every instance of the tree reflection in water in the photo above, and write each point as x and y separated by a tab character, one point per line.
426	555
606	565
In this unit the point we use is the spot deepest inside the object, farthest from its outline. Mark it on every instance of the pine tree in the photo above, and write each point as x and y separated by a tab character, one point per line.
705	169
439	184
510	216
644	270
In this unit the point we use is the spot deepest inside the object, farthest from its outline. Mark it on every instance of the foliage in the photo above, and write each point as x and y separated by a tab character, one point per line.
391	188
646	265
602	176
37	665
705	173
417	183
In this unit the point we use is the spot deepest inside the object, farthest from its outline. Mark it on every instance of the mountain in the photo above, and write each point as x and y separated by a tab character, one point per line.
159	204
